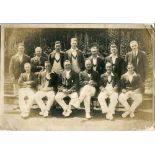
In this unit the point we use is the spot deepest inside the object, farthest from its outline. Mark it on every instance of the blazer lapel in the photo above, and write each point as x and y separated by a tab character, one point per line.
138	57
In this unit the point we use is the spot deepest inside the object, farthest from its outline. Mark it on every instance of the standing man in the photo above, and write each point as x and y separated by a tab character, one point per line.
47	89
68	86
16	66
27	82
38	61
57	58
98	63
88	83
138	59
108	85
118	63
131	89
76	57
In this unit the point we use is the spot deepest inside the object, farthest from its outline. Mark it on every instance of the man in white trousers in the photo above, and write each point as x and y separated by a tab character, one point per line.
68	86
27	82
47	88
131	84
108	85
88	82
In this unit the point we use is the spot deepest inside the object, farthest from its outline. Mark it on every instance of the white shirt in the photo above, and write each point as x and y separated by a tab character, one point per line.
135	53
130	76
68	74
57	64
20	57
113	58
57	56
74	52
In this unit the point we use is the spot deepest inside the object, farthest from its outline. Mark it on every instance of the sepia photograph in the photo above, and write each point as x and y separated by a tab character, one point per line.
77	77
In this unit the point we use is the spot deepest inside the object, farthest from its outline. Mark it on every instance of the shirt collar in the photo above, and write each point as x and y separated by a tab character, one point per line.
96	57
112	56
134	74
110	74
73	49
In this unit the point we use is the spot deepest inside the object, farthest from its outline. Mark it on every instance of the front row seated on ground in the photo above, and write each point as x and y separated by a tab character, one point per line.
53	87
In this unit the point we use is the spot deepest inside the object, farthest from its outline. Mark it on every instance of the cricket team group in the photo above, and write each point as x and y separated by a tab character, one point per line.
47	79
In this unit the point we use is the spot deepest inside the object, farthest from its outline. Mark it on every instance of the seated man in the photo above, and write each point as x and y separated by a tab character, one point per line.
131	89
108	85
27	82
88	83
67	86
47	88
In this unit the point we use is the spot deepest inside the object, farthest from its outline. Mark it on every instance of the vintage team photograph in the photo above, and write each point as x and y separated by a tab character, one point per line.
77	77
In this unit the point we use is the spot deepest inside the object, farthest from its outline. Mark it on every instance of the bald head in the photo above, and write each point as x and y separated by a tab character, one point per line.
38	51
88	64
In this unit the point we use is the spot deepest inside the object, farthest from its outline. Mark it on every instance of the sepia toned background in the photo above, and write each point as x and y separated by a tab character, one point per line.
102	35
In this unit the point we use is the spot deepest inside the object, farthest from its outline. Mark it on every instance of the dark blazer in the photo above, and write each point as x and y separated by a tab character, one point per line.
53	82
136	82
24	78
63	57
71	84
100	66
37	66
16	67
119	67
83	78
80	58
140	67
104	80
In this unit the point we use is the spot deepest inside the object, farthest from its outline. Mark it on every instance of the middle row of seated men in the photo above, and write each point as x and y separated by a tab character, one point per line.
79	88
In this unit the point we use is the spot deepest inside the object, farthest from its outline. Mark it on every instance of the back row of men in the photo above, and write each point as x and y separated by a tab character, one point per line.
65	73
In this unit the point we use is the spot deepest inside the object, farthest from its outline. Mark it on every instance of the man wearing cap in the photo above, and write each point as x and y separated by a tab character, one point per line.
131	91
138	59
38	61
98	63
16	66
118	63
27	82
57	58
88	80
47	89
68	86
108	85
76	57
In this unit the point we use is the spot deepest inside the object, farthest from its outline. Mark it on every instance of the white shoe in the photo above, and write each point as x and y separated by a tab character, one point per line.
41	113
64	112
88	116
24	114
132	115
125	114
45	114
109	116
68	112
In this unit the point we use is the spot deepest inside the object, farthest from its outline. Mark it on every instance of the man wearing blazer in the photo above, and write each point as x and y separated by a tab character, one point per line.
57	58
108	85
48	81
88	80
98	63
16	66
138	59
68	86
118	63
76	57
27	82
131	89
38	61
